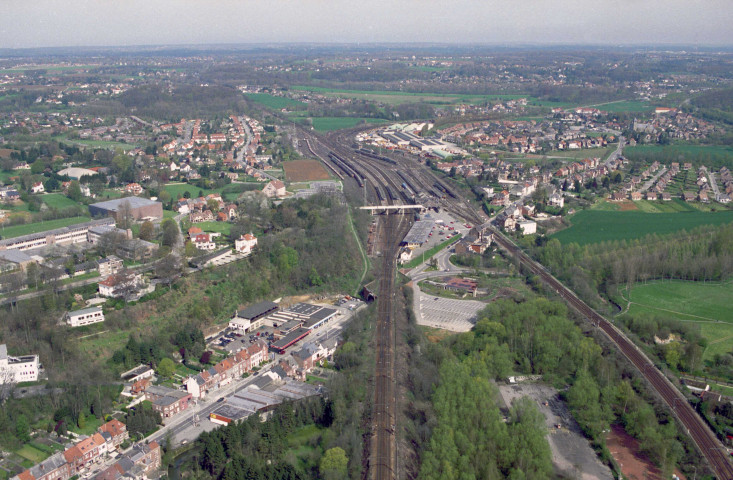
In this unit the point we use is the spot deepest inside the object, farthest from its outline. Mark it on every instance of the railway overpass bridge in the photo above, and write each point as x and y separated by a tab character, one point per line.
385	209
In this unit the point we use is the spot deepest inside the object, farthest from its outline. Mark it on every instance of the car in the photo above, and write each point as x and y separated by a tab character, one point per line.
222	399
435	298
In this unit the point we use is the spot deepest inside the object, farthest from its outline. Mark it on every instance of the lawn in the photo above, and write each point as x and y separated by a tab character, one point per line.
658	206
58	200
222	227
103	344
601	153
18	230
31	453
705	303
683	152
177	190
593	226
271	101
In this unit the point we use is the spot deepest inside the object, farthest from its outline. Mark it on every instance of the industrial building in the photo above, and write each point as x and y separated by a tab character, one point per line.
139	208
419	233
250	318
262	396
77	233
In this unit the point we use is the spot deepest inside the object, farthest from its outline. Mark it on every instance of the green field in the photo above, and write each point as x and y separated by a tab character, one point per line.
393	97
672	206
274	102
327	124
18	230
706	303
625	106
593	226
58	200
683	152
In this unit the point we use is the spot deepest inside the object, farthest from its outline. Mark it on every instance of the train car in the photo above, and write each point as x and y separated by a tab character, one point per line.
390	193
378	191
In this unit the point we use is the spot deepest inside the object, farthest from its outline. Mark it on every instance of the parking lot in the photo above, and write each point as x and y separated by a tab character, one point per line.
445	227
446	313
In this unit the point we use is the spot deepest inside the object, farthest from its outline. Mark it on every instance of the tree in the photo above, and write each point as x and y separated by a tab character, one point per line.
147	230
166	368
168	269
124	215
74	191
22	429
51	184
82	421
334	463
170	232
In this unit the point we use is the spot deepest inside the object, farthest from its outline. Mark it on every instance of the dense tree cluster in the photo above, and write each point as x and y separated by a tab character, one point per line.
469	440
253	449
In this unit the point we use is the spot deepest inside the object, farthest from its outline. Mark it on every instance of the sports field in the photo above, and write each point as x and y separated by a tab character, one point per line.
274	102
593	226
304	171
705	303
624	106
18	230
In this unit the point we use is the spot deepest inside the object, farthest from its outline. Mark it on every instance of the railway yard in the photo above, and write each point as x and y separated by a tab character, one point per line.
401	181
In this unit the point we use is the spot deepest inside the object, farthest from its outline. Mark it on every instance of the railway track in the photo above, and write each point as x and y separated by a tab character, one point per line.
382	458
716	455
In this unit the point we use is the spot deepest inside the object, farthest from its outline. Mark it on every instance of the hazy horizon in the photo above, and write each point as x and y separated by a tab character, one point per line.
137	23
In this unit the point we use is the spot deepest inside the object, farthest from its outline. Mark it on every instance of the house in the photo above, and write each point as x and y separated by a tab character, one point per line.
666	197
109	265
275	188
688	196
618	197
137	250
245	243
167	401
17	369
139	386
37	188
116	430
651	195
54	467
231	211
183	207
636	196
703	196
85	316
556	200
458	284
405	255
120	284
203	241
133	188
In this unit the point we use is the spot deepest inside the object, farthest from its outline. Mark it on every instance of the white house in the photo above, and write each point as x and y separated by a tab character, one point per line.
245	243
528	227
38	188
116	285
557	200
85	316
17	369
275	188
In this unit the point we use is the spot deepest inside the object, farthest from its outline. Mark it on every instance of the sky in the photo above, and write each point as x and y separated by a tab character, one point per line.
62	23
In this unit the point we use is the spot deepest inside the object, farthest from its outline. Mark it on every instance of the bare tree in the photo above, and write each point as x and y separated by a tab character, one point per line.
168	269
124	215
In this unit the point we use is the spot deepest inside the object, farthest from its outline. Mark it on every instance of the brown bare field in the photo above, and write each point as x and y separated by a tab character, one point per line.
305	171
625	450
627	205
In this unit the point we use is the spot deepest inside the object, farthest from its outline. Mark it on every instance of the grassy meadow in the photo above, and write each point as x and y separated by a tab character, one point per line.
704	303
